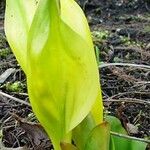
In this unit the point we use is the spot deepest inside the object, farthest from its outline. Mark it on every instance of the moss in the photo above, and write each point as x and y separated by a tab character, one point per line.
147	29
100	35
3	42
15	87
4	52
125	40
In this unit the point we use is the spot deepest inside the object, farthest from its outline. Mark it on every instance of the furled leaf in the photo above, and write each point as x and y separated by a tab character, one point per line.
18	19
52	42
63	79
82	131
118	143
99	138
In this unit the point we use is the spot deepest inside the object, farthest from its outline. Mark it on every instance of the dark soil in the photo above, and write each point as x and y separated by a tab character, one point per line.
121	34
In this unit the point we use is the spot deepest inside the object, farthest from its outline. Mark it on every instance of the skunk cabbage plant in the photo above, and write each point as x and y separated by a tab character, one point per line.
52	43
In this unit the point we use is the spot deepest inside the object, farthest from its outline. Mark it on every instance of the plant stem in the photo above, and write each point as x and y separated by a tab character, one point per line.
56	145
67	138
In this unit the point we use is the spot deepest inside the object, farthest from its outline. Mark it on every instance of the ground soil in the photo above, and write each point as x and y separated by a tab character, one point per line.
121	34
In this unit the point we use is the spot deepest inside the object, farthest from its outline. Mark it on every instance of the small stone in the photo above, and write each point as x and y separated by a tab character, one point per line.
132	128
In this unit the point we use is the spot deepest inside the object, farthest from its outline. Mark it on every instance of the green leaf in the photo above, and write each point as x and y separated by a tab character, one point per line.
118	143
18	19
82	131
99	138
76	20
97	52
63	67
67	146
115	125
79	25
52	42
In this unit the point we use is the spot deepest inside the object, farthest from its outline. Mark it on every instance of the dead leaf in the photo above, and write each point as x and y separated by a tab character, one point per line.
132	129
6	74
35	132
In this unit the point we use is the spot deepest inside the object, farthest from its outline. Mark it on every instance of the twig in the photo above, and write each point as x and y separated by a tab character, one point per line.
140	83
127	100
23	94
136	49
124	64
146	6
121	74
125	93
129	137
14	98
143	82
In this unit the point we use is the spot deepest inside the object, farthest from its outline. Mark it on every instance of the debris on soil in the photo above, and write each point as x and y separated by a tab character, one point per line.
121	34
35	132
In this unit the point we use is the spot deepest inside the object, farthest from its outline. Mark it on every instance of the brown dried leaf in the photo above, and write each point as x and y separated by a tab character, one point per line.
132	129
35	132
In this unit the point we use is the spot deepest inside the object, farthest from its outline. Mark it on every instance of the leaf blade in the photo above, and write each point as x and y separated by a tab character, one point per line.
120	142
99	138
18	18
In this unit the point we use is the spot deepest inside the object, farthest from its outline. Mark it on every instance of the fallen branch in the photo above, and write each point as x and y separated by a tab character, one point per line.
136	49
122	75
14	98
128	100
131	92
124	64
